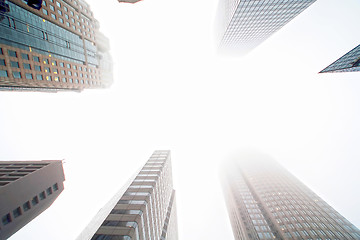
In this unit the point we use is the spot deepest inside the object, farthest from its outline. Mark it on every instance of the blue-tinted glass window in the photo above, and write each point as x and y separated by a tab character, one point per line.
17	74
28	76
48	78
27	66
61	20
64	79
3	73
14	64
55	187
12	53
46	61
17	212
58	4
45	11
2	62
47	69
35	201
25	56
38	68
53	16
6	219
61	64
42	195
44	3
39	77
26	206
36	59
59	12
52	7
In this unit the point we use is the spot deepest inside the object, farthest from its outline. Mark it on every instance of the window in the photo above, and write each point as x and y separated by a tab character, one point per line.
68	65
2	62
6	219
14	64
35	201
46	61
52	7
38	68
55	187
26	206
36	59
27	66
25	56
59	12
53	16
45	11
61	20
47	69
70	80
39	77
12	53
48	78
69	73
44	3
42	195
55	70
64	79
28	76
1	51
17	212
58	4
3	73
61	64
16	74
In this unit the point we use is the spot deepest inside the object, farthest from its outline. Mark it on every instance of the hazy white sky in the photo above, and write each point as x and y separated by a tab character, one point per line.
172	91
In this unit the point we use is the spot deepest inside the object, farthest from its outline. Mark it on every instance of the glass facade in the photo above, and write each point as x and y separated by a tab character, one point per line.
266	202
247	23
350	62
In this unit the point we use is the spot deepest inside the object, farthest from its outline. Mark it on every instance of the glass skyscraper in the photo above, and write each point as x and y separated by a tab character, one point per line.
265	201
143	209
27	188
57	47
350	62
244	24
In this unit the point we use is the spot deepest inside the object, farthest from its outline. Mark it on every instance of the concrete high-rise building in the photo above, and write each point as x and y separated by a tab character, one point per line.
244	24
265	201
129	1
350	62
52	45
27	188
143	209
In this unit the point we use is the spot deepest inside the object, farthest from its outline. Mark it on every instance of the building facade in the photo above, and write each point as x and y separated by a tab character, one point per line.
129	1
244	24
52	48
144	208
266	202
27	188
350	62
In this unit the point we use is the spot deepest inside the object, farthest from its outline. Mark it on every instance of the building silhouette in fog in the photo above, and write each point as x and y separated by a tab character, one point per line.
350	62
144	209
27	188
55	45
265	201
243	25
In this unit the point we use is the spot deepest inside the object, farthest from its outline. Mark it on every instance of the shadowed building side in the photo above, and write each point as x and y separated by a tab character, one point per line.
27	188
350	62
265	201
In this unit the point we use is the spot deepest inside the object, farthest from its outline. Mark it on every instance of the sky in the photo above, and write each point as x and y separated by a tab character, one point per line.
173	91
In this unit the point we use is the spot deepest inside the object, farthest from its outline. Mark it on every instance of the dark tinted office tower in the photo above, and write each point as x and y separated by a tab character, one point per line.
266	202
244	24
56	47
144	209
350	62
27	188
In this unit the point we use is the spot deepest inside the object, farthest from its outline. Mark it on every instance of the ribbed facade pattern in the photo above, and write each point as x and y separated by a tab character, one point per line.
266	202
147	208
350	62
250	22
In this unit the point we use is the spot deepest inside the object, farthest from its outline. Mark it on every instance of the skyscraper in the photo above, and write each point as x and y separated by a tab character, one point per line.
266	202
350	62
143	209
27	188
244	24
51	46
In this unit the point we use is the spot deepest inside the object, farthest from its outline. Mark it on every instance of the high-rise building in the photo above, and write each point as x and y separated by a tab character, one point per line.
143	209
244	24
51	46
350	62
265	201
129	1
27	188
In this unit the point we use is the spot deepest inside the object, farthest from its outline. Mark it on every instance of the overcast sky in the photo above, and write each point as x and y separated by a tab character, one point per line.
172	91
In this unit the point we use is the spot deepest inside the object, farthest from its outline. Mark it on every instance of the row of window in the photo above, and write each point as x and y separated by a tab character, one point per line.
17	212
